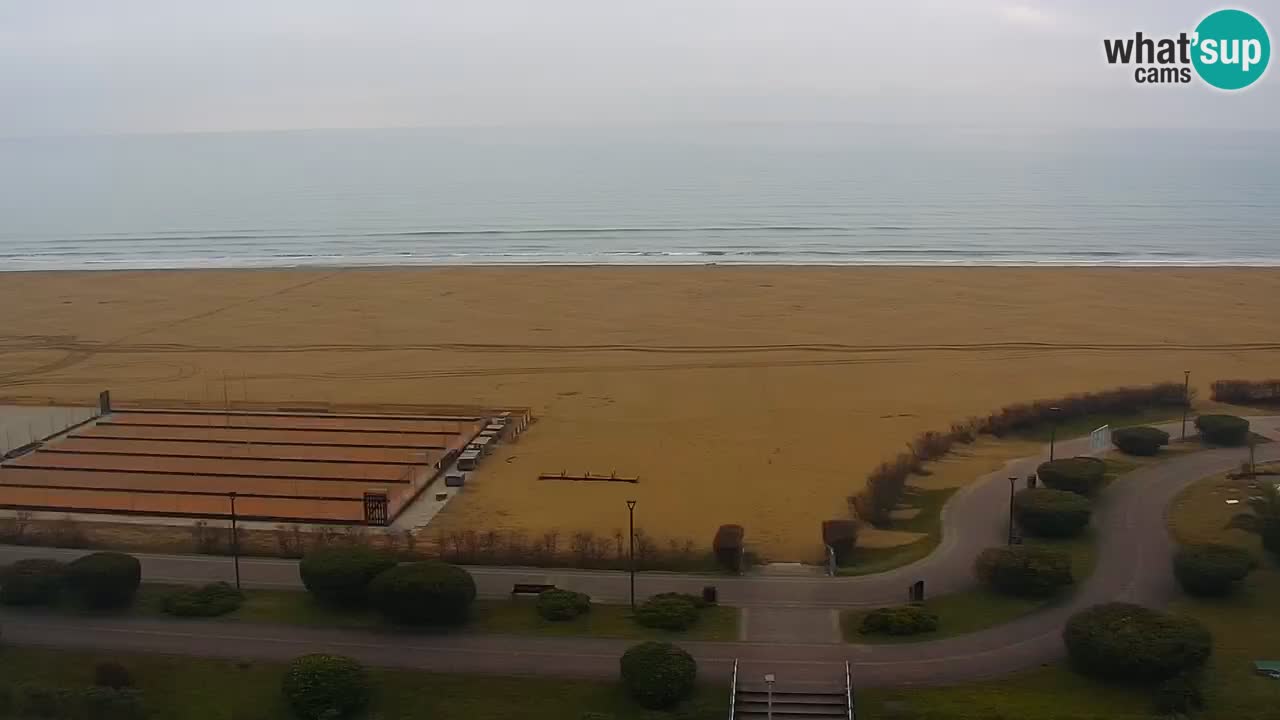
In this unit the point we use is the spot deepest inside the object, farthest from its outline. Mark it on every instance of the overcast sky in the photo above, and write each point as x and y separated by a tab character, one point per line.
109	66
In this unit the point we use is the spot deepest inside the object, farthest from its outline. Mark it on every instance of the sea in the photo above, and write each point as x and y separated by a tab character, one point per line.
821	195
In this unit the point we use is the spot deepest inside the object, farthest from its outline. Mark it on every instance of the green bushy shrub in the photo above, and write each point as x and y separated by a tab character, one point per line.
209	601
1051	513
1082	475
558	605
107	703
105	579
842	537
695	600
1179	695
1211	569
427	592
1124	642
1024	570
1139	440
900	620
31	582
112	675
658	675
340	576
324	687
667	613
1226	430
727	546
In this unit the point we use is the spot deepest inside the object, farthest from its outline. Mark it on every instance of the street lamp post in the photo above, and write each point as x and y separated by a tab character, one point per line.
768	681
631	536
1053	428
1012	480
235	538
1186	400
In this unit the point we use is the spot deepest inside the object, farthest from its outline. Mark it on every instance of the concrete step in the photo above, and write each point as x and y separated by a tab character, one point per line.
762	715
793	698
790	708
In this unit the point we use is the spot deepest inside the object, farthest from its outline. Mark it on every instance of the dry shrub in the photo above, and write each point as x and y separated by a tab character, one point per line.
1247	392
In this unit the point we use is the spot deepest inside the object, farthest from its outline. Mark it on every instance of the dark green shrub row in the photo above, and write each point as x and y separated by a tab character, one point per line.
1124	642
1083	475
1139	440
31	582
842	537
728	548
326	687
886	484
1211	569
1024	570
340	576
1226	430
1051	513
1117	401
427	592
658	675
900	620
667	613
1247	392
560	605
209	601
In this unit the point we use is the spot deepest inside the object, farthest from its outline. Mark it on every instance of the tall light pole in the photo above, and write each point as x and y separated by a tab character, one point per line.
1053	429
1012	480
235	538
1186	400
768	681
631	535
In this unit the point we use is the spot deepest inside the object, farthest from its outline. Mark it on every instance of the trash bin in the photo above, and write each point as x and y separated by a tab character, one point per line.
709	594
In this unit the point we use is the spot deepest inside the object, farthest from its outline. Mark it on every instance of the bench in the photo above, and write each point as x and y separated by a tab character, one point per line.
530	588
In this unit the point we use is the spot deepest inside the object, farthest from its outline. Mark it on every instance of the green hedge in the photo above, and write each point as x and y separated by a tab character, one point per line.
105	579
1051	513
658	675
340	576
901	620
667	613
325	687
428	592
209	601
560	605
1120	641
1024	570
1211	569
1139	440
1226	430
1082	475
31	582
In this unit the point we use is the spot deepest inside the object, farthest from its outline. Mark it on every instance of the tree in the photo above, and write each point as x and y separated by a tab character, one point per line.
657	674
340	576
1051	513
31	582
1083	475
1265	518
1211	569
1121	641
1024	570
105	579
322	687
427	592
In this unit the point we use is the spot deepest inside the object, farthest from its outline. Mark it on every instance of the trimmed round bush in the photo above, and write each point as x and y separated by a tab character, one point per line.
1139	440
31	582
658	675
1024	570
1211	569
1223	429
428	592
209	601
104	580
1082	475
695	600
340	576
900	620
326	686
667	613
1051	513
1121	641
112	675
558	605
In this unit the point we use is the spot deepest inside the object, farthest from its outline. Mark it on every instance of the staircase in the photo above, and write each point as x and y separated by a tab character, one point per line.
807	701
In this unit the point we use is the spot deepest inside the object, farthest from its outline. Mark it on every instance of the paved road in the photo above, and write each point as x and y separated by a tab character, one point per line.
1129	522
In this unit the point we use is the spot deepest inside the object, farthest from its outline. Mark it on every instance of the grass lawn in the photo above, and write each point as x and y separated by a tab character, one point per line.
866	561
512	617
198	689
979	608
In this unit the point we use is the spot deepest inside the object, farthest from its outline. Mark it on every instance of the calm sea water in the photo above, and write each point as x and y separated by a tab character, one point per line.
822	196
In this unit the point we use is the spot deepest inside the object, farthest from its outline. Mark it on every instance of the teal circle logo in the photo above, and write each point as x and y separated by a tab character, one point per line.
1231	49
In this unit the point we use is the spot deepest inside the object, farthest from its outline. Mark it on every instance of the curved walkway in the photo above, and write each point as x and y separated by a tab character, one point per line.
1129	523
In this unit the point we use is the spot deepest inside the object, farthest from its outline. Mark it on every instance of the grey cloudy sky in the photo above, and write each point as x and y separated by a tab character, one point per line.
104	66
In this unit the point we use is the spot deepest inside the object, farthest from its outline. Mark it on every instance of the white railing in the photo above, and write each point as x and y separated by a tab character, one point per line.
733	689
848	689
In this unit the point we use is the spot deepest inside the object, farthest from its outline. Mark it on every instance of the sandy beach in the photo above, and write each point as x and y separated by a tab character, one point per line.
758	396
